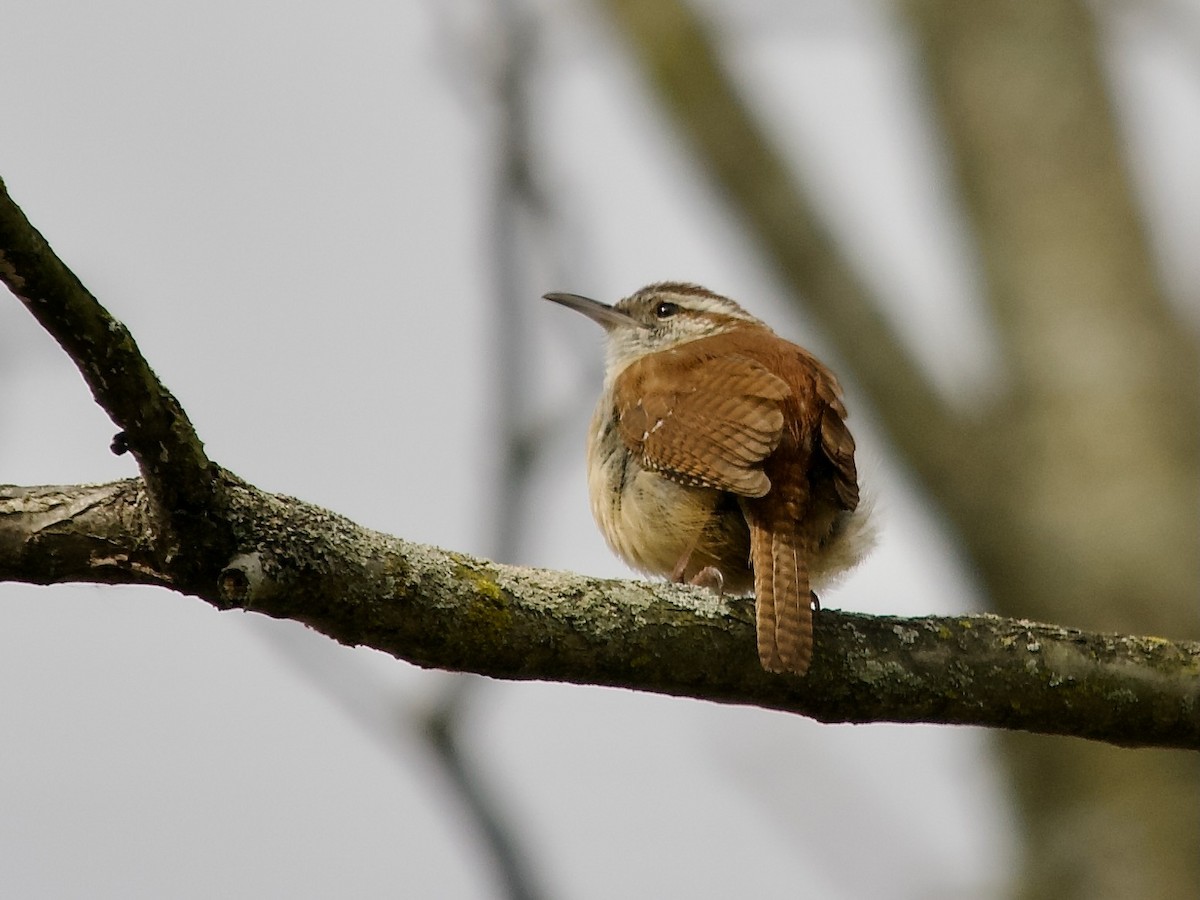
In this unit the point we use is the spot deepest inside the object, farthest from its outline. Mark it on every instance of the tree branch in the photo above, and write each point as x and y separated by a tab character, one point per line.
447	610
154	426
288	559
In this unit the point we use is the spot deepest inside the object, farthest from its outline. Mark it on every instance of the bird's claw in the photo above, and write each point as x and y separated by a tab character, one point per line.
709	577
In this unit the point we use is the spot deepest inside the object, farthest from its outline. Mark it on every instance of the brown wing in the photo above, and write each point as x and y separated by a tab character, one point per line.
834	439
702	421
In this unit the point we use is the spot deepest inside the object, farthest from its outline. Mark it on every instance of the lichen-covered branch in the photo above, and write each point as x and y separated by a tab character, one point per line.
287	559
447	610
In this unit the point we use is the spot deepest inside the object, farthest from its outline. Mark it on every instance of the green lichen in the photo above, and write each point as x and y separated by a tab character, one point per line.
482	583
488	616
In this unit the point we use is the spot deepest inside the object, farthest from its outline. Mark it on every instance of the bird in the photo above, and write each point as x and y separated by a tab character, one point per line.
719	455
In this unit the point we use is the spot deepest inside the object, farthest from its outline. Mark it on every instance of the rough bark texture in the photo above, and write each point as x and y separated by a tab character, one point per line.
1075	493
443	609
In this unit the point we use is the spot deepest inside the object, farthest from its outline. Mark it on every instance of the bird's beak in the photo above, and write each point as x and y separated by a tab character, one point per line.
608	316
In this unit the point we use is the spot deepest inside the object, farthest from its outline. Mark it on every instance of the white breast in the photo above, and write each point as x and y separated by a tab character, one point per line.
647	520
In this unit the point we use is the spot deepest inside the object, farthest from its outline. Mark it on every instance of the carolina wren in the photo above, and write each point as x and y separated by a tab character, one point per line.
719	454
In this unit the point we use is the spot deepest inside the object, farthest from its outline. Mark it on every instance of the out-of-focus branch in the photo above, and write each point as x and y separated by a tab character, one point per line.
516	201
1089	512
516	197
1099	435
442	730
448	610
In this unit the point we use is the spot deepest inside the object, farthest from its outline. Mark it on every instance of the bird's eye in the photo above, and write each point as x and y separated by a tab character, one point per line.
665	310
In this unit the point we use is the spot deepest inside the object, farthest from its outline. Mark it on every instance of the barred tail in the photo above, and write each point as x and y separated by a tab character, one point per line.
782	608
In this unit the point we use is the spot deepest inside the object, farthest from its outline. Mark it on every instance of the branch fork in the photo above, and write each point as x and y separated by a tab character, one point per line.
194	528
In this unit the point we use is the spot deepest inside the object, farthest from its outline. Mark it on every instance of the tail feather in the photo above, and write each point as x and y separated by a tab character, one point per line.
764	598
782	608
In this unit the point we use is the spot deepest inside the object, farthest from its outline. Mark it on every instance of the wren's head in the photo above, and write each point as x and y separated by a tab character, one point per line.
658	317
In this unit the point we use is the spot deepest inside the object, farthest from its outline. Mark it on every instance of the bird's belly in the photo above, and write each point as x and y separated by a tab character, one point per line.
654	523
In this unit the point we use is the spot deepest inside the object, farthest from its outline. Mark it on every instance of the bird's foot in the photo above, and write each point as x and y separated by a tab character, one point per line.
709	577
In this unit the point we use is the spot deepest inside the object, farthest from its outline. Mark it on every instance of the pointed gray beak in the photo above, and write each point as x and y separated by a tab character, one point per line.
608	316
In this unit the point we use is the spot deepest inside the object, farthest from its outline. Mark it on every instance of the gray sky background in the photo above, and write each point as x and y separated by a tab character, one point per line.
288	206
